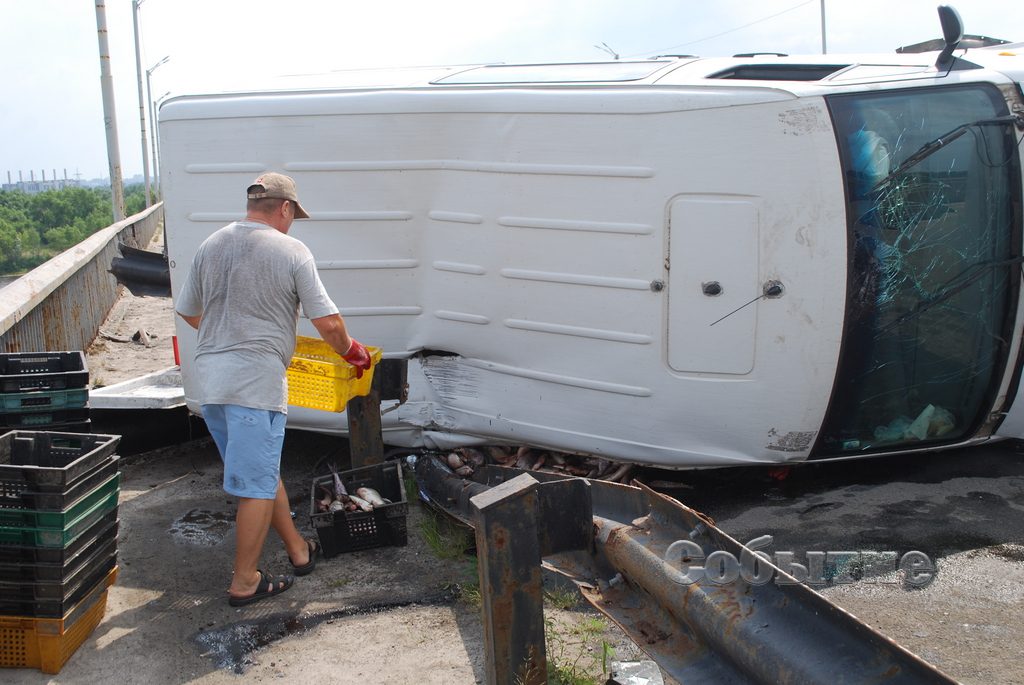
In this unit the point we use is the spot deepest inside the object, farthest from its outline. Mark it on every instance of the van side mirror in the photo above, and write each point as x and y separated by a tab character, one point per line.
952	34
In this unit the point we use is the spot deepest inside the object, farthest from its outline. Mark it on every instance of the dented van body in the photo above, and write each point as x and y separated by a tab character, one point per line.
680	262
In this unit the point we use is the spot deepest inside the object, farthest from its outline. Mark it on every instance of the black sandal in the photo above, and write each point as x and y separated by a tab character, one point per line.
267	587
307	568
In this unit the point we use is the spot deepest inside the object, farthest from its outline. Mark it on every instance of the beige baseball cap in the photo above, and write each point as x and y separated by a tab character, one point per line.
279	186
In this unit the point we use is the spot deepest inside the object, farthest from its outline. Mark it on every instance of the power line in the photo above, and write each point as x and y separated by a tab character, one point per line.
723	33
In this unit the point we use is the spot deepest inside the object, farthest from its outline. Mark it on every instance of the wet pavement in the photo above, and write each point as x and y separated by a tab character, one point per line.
360	615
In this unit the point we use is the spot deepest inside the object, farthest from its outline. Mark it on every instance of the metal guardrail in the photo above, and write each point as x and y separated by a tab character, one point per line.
61	304
615	543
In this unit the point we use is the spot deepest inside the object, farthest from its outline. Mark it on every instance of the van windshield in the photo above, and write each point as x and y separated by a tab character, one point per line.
933	264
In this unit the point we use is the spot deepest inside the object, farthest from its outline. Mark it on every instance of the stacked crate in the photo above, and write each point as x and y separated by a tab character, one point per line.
44	391
58	542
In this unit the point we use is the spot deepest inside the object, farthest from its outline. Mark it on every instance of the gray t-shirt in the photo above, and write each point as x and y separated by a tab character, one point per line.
247	281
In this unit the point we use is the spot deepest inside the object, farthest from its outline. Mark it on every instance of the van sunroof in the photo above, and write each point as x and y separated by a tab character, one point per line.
779	72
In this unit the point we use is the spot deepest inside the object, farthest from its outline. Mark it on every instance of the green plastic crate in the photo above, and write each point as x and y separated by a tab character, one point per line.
46	537
38	518
44	400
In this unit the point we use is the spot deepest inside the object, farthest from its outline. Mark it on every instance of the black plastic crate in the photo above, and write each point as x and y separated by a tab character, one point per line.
349	531
72	427
48	420
21	495
49	460
24	371
33	554
55	608
21	590
14	570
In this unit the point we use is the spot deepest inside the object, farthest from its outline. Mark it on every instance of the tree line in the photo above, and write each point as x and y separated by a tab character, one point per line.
34	228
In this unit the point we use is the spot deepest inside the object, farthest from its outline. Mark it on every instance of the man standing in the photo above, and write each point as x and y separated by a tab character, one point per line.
243	294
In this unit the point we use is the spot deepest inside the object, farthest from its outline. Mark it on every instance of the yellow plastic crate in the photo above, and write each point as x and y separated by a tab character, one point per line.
48	643
319	378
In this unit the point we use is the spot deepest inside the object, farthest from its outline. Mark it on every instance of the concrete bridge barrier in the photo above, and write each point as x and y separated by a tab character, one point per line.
60	305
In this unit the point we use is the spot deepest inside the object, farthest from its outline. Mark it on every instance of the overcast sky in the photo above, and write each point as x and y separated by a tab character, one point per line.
51	114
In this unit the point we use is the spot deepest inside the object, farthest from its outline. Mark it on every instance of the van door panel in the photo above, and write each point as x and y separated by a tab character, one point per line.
713	257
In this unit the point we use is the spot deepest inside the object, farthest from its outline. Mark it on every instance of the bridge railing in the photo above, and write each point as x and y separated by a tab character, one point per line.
61	304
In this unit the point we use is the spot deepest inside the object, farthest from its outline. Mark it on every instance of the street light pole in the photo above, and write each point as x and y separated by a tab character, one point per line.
109	114
152	120
823	50
142	102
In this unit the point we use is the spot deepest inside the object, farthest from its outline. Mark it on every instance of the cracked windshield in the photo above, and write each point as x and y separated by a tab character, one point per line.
934	226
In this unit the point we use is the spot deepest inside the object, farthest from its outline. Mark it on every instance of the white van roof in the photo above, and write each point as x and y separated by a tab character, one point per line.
685	82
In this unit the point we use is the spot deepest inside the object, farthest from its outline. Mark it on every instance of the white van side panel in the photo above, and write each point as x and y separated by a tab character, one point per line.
524	245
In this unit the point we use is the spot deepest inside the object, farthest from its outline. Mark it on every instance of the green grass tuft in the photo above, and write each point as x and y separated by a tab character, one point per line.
446	538
562	598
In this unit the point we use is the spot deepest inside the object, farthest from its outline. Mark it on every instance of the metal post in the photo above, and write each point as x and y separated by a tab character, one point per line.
152	122
823	50
508	559
517	523
109	114
366	442
142	102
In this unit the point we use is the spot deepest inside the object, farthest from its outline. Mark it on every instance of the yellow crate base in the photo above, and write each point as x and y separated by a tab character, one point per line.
48	643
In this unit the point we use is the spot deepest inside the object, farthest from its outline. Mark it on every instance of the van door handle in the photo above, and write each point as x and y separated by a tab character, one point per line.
773	289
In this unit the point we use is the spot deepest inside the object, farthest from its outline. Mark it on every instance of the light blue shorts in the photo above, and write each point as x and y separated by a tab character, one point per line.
249	442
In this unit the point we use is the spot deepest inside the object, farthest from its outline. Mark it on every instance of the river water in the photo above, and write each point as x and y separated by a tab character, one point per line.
4	280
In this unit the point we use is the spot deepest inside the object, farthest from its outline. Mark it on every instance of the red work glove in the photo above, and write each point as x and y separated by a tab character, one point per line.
358	357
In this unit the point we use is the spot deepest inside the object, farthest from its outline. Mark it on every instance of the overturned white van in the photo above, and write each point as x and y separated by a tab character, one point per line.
676	261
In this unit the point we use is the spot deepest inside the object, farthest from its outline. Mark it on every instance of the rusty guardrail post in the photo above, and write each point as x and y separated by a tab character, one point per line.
517	523
366	441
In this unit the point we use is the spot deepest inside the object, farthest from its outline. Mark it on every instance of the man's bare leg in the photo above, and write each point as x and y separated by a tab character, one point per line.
294	543
252	522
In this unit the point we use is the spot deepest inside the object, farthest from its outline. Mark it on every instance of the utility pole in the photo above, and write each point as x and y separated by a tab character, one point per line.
823	50
109	113
142	102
